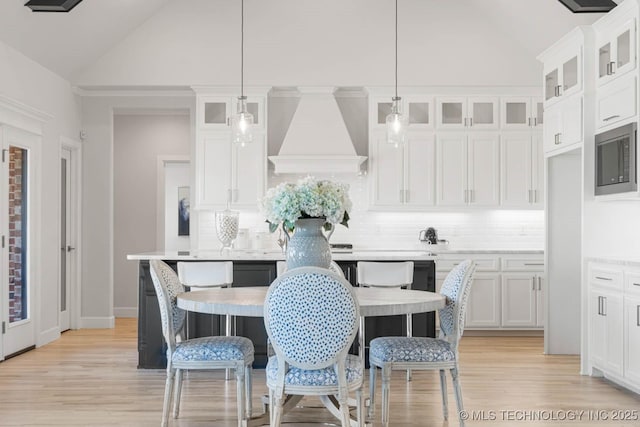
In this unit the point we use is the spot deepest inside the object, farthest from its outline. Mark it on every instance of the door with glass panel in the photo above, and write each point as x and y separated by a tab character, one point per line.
17	273
66	244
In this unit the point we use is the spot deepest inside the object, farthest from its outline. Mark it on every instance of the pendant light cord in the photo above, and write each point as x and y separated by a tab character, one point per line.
396	48
242	48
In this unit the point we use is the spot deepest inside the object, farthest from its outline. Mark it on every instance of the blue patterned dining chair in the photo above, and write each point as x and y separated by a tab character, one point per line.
204	353
311	316
281	267
418	353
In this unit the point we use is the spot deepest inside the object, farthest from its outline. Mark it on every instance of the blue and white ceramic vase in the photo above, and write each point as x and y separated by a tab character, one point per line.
308	247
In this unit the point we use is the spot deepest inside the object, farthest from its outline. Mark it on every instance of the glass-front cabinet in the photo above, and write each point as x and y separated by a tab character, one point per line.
467	112
522	112
563	78
616	47
419	108
215	111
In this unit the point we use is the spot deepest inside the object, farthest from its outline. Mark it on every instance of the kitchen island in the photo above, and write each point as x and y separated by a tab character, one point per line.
258	268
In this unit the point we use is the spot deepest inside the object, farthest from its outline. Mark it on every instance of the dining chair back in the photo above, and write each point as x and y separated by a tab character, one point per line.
281	267
420	353
311	317
203	353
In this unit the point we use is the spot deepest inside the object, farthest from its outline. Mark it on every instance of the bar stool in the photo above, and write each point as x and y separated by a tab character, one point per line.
385	275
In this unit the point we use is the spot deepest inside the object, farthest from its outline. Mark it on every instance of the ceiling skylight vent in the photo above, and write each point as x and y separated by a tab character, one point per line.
52	5
589	6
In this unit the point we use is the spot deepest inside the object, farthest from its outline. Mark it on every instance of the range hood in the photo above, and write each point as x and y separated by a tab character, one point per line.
317	140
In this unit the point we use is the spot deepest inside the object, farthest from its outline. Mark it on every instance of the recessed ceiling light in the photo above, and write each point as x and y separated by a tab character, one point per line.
589	6
52	5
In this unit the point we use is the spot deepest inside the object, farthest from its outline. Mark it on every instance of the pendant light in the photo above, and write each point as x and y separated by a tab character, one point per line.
242	121
397	122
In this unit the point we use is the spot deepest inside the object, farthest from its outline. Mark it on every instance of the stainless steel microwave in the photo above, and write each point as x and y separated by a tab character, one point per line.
616	160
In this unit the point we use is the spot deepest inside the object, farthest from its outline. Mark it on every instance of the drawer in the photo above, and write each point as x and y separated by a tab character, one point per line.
632	282
482	264
522	264
605	276
616	102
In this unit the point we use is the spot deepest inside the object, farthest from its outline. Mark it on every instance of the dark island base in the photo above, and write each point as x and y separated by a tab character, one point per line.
152	349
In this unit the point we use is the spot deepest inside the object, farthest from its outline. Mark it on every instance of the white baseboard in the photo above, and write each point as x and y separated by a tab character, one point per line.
125	312
97	322
48	336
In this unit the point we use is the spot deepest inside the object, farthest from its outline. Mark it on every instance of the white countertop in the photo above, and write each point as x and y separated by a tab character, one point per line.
369	255
356	255
632	262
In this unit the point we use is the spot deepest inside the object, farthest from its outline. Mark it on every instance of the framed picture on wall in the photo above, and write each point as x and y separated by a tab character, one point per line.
184	203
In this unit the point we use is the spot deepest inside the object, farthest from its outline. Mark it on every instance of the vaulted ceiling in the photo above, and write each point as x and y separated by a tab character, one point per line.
72	43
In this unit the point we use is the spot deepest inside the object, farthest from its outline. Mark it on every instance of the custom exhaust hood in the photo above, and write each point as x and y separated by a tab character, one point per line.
317	140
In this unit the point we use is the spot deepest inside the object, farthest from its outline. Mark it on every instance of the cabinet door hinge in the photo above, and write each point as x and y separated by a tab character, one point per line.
4	328
4	155
3	241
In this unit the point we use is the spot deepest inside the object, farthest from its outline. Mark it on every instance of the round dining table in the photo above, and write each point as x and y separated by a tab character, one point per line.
249	302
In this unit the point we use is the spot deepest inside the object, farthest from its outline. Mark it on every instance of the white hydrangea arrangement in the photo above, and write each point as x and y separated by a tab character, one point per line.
308	198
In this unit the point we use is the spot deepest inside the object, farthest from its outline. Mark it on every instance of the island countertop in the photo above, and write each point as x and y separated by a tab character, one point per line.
267	255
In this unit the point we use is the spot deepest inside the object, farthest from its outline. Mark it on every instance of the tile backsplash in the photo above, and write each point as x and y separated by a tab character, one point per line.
470	229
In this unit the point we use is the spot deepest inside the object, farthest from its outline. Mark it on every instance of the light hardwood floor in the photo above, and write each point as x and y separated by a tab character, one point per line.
89	378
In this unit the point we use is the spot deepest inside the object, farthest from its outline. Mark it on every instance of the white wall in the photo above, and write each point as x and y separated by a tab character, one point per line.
29	83
338	43
98	201
138	140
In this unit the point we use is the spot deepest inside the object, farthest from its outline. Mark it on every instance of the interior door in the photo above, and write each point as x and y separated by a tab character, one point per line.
17	220
66	243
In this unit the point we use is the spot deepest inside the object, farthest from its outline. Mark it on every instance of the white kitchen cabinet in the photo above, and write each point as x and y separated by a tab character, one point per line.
521	113
632	338
468	169
521	169
606	330
224	172
419	108
473	113
615	46
502	293
403	176
521	297
563	125
483	307
229	173
616	101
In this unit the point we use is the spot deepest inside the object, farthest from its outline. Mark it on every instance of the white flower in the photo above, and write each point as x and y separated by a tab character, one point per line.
309	198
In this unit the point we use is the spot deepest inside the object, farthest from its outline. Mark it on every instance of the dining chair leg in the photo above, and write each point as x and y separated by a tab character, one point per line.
240	396
409	334
458	392
360	407
168	388
386	384
248	387
372	390
177	392
343	400
443	391
277	410
271	406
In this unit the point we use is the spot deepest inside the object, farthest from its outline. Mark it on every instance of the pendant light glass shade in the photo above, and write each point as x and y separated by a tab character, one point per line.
242	124
397	124
242	121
